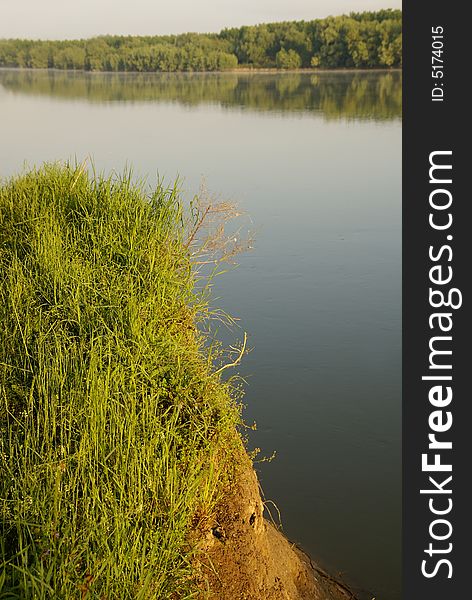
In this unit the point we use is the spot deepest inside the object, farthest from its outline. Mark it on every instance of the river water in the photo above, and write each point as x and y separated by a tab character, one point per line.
315	160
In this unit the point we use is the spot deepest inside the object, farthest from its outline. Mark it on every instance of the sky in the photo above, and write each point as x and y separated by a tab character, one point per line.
70	19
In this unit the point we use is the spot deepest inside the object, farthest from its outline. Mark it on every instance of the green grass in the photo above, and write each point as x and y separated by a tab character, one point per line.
112	422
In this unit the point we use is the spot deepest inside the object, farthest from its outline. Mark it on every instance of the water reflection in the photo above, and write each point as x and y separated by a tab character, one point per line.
336	95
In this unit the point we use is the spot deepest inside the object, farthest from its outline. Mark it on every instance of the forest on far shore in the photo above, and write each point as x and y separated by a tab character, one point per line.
357	40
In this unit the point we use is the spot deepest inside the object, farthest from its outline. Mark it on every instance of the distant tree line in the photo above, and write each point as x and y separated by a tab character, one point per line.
362	40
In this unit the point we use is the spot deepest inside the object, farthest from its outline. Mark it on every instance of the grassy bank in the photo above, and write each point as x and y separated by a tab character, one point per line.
111	413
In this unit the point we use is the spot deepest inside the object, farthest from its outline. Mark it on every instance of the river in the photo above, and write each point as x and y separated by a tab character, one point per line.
315	161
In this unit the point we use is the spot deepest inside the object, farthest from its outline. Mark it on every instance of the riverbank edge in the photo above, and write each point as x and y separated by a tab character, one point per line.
245	556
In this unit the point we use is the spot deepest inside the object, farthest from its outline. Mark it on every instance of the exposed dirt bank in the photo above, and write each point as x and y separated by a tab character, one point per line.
244	557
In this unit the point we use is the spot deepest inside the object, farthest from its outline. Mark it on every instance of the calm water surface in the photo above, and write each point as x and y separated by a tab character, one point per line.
315	160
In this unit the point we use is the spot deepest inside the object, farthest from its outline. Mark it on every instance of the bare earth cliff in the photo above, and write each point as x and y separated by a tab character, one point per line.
244	557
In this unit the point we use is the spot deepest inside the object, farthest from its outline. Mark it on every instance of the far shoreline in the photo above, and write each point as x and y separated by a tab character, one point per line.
245	70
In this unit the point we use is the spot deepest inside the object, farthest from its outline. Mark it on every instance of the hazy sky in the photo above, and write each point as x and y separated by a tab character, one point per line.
59	19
